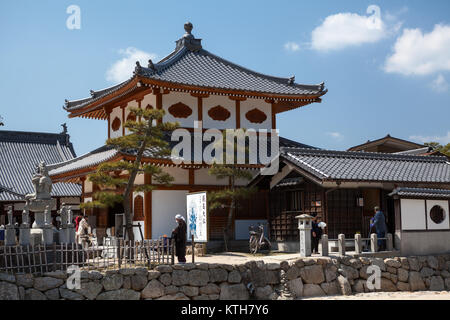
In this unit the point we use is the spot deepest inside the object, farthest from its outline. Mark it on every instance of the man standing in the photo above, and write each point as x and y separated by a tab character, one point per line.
316	233
379	222
179	235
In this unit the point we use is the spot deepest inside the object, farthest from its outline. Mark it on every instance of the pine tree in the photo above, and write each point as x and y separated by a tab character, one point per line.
147	134
230	196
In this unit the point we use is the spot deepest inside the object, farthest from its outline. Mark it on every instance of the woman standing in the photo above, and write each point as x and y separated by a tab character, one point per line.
179	235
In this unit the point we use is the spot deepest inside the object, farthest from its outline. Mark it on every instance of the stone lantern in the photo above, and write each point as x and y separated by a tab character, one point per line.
304	227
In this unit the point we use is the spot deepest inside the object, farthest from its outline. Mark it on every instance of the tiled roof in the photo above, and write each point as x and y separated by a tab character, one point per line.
421	193
368	166
195	66
106	153
90	159
20	154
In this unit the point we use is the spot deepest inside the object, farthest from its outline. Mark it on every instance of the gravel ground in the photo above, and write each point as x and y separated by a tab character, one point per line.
418	295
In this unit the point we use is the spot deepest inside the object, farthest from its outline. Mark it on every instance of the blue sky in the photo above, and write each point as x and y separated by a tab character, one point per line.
391	76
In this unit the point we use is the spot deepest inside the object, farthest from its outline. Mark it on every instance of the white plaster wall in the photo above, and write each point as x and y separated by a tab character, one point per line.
140	179
165	205
203	178
213	101
180	175
174	97
444	224
413	214
131	104
87	186
263	106
116	112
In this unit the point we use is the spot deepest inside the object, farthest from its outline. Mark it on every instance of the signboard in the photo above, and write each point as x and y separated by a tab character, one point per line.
197	219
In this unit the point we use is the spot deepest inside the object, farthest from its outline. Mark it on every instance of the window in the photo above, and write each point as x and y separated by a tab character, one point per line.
437	214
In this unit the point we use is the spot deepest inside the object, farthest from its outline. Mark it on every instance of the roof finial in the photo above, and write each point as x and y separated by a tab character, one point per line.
150	64
291	80
64	125
188	27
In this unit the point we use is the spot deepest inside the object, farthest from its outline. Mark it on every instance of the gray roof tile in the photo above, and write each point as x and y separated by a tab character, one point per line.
368	166
20	154
421	193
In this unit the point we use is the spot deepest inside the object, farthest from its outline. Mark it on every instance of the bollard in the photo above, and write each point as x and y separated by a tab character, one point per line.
373	242
389	242
341	244
358	243
325	245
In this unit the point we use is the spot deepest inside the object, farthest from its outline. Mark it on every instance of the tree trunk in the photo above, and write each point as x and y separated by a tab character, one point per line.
129	189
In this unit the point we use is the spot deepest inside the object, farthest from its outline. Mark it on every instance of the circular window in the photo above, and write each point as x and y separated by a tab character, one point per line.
115	124
437	214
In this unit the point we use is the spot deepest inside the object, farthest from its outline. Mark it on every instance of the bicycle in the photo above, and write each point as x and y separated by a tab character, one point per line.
257	239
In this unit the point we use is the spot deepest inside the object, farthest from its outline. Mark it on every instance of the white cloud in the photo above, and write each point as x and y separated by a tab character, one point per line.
291	46
122	69
418	53
343	30
443	140
439	84
336	135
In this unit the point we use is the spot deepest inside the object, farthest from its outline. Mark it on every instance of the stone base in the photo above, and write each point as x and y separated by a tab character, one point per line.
10	236
24	236
48	235
36	238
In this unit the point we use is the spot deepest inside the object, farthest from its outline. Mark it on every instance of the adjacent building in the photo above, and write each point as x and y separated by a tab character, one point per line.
20	154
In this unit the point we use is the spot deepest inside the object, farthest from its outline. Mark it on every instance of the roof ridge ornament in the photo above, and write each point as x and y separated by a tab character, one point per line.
188	40
291	80
138	68
151	65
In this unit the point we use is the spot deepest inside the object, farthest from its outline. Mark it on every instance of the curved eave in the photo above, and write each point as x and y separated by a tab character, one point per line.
76	174
96	109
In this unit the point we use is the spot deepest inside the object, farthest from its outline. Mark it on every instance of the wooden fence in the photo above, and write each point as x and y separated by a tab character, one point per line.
116	254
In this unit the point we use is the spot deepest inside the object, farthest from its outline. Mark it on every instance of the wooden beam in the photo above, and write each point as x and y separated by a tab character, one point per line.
191	177
200	108
238	114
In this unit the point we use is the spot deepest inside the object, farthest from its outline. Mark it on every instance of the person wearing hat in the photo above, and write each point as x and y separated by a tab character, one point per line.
179	235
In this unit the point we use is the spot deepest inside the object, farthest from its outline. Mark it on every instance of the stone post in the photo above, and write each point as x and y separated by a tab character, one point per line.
373	242
341	244
325	245
24	231
47	232
389	242
304	227
70	228
358	243
10	231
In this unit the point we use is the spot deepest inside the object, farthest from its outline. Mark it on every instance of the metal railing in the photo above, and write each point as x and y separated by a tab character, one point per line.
117	254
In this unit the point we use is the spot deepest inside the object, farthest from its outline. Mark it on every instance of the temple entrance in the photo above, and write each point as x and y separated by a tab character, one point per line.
117	209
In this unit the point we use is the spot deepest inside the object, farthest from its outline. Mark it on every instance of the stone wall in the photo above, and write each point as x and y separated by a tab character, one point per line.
253	280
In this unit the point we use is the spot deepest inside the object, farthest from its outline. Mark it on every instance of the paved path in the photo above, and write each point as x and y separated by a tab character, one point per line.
239	257
418	295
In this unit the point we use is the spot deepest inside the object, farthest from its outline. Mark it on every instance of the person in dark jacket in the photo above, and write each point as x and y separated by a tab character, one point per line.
379	223
316	234
179	235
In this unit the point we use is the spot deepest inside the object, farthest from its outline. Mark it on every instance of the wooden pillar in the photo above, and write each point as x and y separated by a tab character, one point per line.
191	177
123	119
147	208
274	117
157	92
